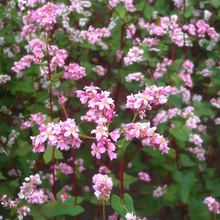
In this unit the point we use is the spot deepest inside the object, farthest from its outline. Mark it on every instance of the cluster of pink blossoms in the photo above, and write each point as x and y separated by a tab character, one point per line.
134	56
94	35
212	204
143	130
38	48
198	151
185	74
102	186
215	102
101	112
139	77
99	69
29	3
128	4
161	69
196	139
74	71
21	211
150	97
159	191
37	118
29	191
144	176
44	16
61	134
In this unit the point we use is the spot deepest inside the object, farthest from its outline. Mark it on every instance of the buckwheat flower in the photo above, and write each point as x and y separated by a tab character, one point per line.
130	31
74	71
62	99
4	78
196	139
102	184
130	216
97	150
159	191
104	169
144	176
212	204
64	197
71	128
100	131
99	69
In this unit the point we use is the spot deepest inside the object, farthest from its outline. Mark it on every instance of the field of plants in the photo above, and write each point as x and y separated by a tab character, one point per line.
110	109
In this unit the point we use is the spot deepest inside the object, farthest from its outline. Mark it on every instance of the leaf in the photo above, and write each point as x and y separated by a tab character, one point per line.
63	209
186	182
215	3
140	6
186	161
146	53
148	11
128	201
122	149
129	179
26	85
48	154
117	205
2	177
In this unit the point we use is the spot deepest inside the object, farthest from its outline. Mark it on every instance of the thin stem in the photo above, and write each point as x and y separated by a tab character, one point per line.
53	170
103	209
122	179
74	176
8	154
86	137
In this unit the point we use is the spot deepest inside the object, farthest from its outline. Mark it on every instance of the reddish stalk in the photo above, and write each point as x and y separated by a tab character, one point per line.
51	114
12	162
122	179
74	176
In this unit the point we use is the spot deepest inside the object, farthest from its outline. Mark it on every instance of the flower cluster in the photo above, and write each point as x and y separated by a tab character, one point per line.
128	4
159	191
150	97
61	134
101	112
37	118
29	191
74	71
45	16
134	56
143	130
139	77
102	186
212	204
161	69
185	74
144	176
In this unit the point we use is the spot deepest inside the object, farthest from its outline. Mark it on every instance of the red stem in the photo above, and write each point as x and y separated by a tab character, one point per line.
122	179
8	154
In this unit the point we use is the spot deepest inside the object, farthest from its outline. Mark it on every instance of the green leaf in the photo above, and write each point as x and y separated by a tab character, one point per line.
128	201
48	154
117	205
2	177
128	179
148	11
179	134
215	3
23	148
140	6
186	161
25	85
186	182
122	149
63	209
146	53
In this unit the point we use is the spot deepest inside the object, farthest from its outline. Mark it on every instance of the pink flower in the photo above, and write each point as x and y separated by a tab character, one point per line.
97	150
144	176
